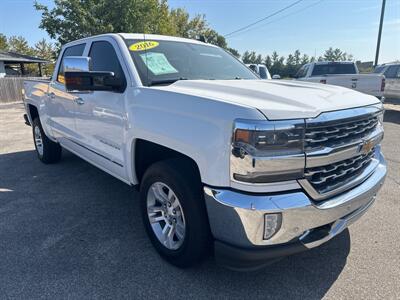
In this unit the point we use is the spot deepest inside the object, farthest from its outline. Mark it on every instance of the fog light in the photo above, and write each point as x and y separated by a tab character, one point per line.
272	224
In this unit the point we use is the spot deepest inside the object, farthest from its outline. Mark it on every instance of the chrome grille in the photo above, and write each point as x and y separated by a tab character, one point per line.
339	132
330	177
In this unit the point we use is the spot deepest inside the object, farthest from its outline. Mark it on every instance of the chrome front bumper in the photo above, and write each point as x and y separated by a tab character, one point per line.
238	218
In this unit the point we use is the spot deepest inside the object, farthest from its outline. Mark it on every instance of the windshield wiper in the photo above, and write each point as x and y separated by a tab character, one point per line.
166	81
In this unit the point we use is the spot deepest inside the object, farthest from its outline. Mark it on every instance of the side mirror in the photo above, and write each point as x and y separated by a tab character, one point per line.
78	76
276	76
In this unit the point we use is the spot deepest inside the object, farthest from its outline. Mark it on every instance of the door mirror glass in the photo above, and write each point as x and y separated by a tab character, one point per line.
79	77
76	64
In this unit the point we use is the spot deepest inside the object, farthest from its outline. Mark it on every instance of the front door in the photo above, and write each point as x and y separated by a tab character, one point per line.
100	115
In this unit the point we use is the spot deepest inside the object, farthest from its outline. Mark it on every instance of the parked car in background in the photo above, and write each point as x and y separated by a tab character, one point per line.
254	169
342	74
260	70
391	71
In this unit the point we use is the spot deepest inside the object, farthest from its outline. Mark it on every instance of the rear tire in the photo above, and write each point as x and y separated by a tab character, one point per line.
47	151
176	185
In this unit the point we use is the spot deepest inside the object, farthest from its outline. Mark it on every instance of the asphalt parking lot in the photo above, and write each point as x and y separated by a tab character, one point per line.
72	231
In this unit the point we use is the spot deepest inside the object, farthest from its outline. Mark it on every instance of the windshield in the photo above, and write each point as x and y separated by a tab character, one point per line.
164	62
334	68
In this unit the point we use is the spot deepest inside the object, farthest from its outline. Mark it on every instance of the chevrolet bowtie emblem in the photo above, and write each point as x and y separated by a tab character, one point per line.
366	146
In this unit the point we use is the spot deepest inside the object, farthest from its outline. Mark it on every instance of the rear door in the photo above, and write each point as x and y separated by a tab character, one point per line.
100	115
61	104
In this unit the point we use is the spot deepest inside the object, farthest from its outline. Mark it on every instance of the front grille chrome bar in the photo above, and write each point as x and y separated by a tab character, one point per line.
340	147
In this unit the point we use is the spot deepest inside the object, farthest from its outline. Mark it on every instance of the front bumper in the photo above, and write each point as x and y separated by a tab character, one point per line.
237	220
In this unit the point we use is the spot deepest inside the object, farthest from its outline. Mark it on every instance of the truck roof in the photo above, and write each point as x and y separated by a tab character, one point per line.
333	62
141	36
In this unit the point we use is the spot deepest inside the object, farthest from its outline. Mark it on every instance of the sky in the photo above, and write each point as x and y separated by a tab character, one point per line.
310	26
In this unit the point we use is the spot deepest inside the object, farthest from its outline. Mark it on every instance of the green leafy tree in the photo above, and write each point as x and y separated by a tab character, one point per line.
20	45
249	57
3	42
336	55
305	59
291	66
47	51
268	62
73	19
234	52
297	57
278	64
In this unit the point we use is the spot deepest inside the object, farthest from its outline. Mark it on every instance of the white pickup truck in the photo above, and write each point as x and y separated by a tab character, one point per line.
252	169
343	73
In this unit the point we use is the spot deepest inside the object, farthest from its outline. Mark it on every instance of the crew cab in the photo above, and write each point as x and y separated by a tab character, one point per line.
252	169
342	73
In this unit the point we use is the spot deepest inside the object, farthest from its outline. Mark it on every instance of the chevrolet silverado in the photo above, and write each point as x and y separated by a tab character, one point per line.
250	170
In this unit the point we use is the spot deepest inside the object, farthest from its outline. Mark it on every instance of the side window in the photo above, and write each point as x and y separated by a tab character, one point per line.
302	72
391	72
104	58
76	50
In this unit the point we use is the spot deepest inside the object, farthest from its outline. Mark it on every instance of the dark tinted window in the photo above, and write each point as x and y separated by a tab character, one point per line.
104	58
391	72
263	73
379	70
334	68
76	50
163	62
302	72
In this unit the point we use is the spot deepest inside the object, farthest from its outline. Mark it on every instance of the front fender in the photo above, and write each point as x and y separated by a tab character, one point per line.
198	127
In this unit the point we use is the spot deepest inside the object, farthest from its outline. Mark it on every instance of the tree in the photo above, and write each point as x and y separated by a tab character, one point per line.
251	58
291	66
46	51
20	45
304	59
268	62
234	52
73	19
3	42
296	56
336	55
277	64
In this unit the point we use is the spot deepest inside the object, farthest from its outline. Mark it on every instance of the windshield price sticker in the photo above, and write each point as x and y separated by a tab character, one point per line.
142	46
157	63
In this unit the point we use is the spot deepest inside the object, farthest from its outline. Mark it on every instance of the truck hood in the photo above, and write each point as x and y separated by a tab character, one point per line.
276	99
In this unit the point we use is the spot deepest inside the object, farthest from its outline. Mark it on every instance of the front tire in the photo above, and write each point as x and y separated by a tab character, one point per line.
47	151
174	213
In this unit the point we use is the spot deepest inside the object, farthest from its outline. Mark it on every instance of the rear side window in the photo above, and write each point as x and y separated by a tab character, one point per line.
263	73
104	58
379	70
392	72
333	68
302	72
76	50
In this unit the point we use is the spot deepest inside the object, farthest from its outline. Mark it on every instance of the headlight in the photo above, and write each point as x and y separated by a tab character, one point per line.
380	117
267	151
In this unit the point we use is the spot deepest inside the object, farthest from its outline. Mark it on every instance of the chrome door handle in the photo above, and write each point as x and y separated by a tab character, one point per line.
79	101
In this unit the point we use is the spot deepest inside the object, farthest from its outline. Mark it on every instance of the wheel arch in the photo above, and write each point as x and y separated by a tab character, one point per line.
33	112
145	153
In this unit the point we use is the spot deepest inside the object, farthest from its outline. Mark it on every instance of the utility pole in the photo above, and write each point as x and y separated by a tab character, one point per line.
378	44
